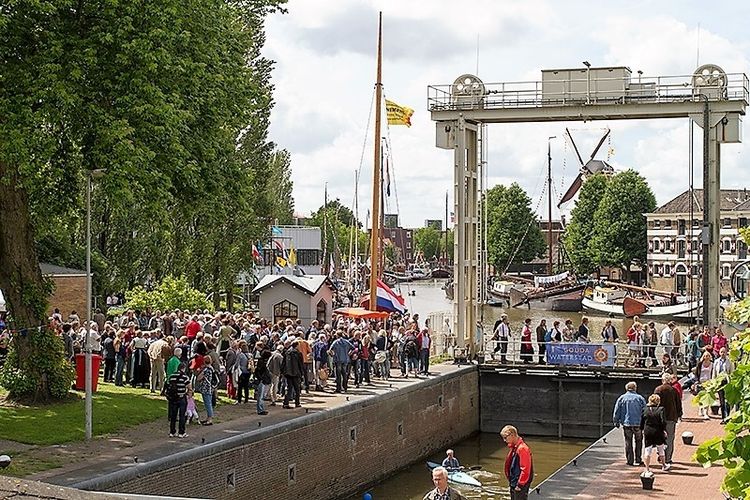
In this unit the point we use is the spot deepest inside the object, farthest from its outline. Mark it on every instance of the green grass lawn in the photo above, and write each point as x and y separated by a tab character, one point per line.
26	463
114	408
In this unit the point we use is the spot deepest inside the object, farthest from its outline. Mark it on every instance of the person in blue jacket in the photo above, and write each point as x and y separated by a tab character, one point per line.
628	412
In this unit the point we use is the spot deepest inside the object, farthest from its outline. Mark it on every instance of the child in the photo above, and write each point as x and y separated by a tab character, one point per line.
191	412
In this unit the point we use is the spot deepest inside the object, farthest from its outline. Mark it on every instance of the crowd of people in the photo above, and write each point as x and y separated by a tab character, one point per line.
644	341
184	354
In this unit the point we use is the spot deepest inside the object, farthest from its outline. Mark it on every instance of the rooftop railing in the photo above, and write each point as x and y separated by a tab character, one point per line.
585	91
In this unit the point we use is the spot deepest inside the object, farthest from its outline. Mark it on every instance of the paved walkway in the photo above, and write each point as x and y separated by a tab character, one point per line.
150	441
601	471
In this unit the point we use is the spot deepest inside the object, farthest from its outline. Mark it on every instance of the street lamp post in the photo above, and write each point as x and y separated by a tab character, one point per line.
92	174
588	81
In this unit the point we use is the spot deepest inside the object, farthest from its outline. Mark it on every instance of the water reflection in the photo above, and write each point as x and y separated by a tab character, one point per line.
483	449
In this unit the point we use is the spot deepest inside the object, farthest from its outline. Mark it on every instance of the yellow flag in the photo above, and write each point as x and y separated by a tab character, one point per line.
292	257
281	261
398	115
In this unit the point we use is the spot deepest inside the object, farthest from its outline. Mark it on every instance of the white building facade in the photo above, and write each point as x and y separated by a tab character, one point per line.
674	240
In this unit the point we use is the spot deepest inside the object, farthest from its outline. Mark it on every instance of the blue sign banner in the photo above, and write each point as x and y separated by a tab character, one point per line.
581	354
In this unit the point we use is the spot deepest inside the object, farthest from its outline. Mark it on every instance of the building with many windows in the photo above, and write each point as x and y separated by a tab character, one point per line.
674	240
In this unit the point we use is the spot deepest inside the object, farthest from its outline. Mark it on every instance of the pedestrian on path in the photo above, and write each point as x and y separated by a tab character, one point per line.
654	428
672	403
723	368
519	465
628	413
293	369
176	392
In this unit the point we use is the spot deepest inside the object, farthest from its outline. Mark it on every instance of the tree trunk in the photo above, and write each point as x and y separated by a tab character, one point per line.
25	289
21	278
230	299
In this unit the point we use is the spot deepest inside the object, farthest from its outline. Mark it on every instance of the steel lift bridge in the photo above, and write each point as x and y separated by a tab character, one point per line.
715	100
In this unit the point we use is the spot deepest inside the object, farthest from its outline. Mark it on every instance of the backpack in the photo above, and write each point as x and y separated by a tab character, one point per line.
214	379
171	392
411	349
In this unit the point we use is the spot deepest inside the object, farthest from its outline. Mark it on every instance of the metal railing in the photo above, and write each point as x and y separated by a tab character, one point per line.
642	356
577	91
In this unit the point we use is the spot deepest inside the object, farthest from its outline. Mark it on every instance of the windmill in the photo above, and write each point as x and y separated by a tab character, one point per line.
588	169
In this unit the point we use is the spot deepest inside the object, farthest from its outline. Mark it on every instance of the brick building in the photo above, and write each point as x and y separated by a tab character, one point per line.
70	289
674	247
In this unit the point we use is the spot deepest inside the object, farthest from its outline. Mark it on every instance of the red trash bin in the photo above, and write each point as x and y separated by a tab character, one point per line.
96	362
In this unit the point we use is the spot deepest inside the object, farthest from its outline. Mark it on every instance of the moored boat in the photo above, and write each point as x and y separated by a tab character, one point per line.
617	301
440	273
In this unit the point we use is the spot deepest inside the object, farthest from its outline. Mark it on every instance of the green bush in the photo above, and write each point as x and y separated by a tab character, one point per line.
171	293
36	368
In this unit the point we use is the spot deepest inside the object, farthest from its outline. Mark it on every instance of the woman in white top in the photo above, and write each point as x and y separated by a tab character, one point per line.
703	373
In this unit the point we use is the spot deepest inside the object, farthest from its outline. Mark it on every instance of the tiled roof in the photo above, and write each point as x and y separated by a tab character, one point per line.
731	199
308	283
53	270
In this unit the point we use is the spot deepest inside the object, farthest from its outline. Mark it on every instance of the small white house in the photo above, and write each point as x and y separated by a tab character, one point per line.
306	298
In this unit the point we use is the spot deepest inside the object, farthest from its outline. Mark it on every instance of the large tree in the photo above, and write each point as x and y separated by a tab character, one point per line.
580	230
172	97
619	224
428	241
335	222
513	233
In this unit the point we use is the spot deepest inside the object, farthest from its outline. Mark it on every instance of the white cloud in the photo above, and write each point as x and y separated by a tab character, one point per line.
325	71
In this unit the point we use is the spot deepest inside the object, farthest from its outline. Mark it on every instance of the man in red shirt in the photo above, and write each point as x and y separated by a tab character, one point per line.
192	328
519	466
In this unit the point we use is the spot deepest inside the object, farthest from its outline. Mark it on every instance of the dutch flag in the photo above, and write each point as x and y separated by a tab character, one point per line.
388	300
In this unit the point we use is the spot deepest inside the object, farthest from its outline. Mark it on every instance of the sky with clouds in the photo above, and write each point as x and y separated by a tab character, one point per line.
325	72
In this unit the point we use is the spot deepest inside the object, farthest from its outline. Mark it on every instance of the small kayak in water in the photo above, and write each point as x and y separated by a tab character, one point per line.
457	477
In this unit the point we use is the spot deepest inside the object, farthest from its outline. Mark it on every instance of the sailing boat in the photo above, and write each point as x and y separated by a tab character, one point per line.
381	298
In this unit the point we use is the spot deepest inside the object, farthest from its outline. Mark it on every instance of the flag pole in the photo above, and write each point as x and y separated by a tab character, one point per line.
375	232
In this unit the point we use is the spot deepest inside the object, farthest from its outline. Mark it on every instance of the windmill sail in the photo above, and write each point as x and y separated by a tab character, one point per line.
589	168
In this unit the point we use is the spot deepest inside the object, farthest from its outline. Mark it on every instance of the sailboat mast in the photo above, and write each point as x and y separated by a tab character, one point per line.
549	203
375	233
324	266
356	232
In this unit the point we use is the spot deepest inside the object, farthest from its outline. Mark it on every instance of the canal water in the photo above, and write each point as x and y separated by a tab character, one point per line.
484	449
488	451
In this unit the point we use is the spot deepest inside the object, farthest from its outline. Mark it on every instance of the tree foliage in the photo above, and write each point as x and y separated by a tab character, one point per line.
509	218
429	241
619	223
36	368
607	226
335	222
172	293
733	448
580	230
173	99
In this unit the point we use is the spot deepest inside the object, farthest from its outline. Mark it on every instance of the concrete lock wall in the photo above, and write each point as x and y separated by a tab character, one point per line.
545	404
322	455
